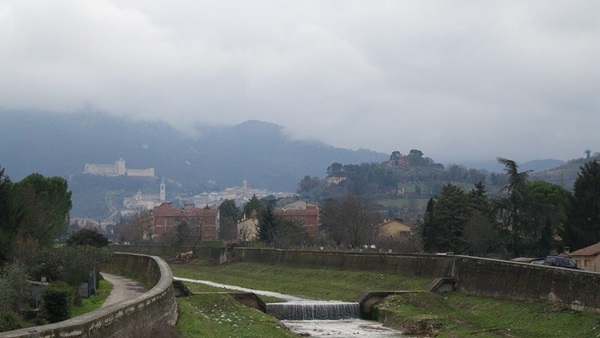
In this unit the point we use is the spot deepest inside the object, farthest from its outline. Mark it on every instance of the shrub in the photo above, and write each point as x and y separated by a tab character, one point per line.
57	301
10	320
88	237
15	291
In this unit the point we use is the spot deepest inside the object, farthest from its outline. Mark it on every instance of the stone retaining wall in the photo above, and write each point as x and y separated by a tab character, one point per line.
577	289
214	253
137	317
410	265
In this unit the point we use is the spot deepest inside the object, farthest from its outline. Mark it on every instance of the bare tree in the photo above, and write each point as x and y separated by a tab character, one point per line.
350	221
139	228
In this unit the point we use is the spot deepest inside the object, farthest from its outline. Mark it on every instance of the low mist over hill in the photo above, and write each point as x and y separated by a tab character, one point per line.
61	144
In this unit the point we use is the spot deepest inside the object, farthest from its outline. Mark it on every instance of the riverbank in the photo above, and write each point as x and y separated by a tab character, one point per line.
448	315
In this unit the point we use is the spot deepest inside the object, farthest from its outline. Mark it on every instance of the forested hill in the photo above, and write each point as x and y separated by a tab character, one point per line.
413	176
61	144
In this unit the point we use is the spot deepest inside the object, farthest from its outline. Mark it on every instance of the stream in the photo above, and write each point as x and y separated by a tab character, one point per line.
351	327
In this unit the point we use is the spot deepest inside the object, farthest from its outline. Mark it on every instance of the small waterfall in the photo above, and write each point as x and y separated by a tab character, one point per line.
313	310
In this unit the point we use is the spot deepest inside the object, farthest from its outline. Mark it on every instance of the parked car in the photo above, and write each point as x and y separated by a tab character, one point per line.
563	262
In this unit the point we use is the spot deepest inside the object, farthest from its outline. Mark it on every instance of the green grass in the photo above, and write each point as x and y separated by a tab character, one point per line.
459	315
202	288
94	301
323	284
217	315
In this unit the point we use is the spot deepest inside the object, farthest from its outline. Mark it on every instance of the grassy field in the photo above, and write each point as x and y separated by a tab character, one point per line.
94	301
322	284
448	315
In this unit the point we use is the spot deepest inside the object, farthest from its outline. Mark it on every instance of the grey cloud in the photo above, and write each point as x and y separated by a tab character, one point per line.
454	79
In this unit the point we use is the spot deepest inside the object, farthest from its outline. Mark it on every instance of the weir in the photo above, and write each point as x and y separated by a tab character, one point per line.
314	310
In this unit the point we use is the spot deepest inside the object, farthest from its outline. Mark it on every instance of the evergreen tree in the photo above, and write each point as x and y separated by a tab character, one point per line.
453	210
267	225
544	214
10	217
229	215
481	202
583	225
445	221
254	204
429	228
516	202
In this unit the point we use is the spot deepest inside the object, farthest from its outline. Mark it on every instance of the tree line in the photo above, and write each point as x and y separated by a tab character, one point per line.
531	218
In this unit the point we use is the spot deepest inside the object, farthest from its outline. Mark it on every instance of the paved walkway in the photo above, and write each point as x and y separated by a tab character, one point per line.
123	288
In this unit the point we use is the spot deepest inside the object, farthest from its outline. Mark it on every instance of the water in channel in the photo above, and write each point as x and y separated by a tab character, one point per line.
315	318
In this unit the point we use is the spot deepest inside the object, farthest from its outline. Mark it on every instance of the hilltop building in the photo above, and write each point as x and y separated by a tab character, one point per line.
117	169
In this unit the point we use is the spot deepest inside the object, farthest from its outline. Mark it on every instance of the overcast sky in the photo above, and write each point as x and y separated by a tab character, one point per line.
455	79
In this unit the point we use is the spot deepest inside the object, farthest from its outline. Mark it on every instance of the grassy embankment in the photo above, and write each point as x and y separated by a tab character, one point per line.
449	315
459	315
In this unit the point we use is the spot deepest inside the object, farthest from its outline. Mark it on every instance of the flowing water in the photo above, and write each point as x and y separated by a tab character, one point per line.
314	310
315	318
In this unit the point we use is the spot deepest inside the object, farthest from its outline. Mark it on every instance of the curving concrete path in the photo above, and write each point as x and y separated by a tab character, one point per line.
123	288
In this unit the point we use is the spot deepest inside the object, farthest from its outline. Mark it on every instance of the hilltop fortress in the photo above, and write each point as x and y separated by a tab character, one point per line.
117	169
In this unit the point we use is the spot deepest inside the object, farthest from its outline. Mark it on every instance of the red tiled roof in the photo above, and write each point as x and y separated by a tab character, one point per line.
591	250
168	210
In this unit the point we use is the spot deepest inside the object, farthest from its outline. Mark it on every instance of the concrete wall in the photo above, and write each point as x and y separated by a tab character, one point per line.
137	317
215	253
510	280
411	265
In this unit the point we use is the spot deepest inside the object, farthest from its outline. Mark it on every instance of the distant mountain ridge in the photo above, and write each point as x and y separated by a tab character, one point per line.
61	144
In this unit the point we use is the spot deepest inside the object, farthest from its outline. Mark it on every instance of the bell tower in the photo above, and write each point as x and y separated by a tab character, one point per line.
163	192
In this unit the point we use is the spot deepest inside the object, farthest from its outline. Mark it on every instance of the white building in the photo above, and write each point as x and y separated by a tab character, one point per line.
117	169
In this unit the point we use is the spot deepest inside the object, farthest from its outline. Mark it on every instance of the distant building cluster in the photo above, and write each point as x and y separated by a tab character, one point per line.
241	195
143	202
117	169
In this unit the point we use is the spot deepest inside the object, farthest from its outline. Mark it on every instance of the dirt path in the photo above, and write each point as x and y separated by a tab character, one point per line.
123	289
